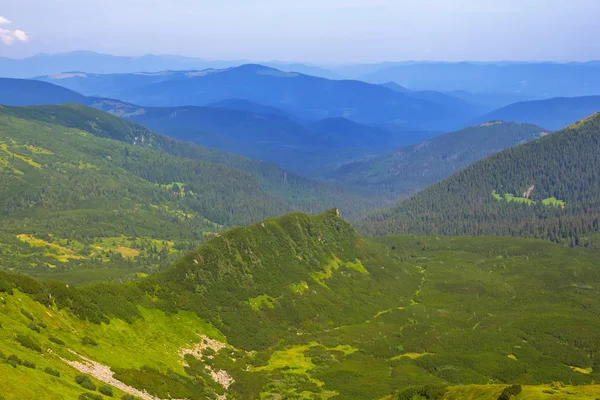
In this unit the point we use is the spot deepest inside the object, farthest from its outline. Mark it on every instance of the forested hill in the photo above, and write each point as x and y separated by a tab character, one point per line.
300	193
80	187
414	167
548	189
302	307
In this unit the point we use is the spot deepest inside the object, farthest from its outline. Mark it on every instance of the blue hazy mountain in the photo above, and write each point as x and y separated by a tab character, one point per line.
539	80
20	92
263	136
92	62
305	96
554	114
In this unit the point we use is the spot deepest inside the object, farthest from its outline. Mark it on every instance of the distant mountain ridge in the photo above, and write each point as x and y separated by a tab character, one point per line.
543	79
554	113
92	62
305	96
24	92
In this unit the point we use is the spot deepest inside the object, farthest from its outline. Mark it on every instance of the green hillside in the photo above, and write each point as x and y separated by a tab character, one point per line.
301	307
300	193
549	189
80	187
414	167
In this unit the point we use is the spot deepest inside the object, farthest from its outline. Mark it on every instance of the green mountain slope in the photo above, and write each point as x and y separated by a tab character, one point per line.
414	167
549	188
302	307
300	193
80	187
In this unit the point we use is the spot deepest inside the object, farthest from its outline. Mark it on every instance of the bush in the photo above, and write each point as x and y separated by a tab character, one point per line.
85	382
34	327
56	340
14	360
28	364
429	392
89	396
510	391
27	314
129	397
88	341
52	371
106	390
28	342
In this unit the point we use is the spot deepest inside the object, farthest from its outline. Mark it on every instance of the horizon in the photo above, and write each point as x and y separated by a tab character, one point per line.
307	63
334	32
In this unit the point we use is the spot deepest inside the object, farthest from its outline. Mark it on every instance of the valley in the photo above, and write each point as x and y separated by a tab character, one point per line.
194	223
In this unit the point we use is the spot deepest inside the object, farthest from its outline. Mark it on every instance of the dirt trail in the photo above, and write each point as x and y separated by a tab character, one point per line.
104	374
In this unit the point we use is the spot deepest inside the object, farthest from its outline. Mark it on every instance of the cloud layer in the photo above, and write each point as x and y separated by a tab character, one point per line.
8	36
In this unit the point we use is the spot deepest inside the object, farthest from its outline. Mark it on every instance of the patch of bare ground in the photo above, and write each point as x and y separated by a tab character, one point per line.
105	374
197	351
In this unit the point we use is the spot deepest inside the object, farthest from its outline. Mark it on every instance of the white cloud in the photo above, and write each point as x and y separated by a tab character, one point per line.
22	36
9	37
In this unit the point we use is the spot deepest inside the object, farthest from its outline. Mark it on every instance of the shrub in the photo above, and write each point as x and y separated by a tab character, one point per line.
129	397
85	382
89	396
88	341
27	314
52	371
14	360
56	340
34	327
28	342
510	391
28	364
429	392
106	390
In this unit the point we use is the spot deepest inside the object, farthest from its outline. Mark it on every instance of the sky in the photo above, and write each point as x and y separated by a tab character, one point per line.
315	31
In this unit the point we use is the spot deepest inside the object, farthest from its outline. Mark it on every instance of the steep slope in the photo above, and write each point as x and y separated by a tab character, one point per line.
412	168
301	307
23	92
548	189
552	113
306	96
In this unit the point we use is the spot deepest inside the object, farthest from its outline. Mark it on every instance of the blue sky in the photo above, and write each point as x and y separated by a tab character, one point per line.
319	31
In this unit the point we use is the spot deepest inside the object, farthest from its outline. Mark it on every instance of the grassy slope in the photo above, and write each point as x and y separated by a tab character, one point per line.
311	310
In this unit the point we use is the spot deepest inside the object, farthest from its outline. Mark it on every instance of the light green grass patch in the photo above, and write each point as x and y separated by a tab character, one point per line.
263	300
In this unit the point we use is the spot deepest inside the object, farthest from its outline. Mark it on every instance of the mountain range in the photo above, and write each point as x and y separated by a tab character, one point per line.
535	80
305	96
